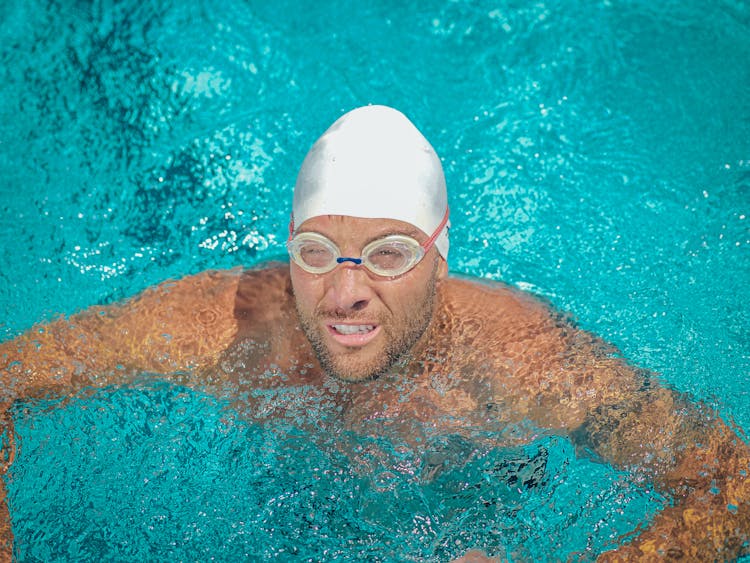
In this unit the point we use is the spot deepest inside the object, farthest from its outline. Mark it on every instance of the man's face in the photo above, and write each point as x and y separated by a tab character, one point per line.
360	324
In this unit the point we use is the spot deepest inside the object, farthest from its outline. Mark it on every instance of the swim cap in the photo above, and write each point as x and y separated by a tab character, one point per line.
374	163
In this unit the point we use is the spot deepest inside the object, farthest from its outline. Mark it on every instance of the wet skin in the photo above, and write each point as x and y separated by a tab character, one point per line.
359	323
430	353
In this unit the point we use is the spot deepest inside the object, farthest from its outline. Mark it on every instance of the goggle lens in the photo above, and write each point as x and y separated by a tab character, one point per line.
389	256
316	255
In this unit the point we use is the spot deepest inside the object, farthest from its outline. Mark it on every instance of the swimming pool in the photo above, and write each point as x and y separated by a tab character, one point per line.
597	154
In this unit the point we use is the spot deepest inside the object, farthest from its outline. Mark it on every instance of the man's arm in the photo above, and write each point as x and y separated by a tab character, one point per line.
690	454
625	417
7	453
569	381
176	327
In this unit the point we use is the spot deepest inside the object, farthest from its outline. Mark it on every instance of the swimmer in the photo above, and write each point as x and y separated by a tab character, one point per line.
366	302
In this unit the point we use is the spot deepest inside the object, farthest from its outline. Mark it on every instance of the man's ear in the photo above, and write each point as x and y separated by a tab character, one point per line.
442	270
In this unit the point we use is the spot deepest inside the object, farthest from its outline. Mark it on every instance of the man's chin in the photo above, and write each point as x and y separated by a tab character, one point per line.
353	364
363	363
353	371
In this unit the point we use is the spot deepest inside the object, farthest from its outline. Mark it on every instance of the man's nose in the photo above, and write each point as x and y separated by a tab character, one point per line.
350	287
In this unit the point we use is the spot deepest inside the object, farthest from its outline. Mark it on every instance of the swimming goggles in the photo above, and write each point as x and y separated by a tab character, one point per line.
389	256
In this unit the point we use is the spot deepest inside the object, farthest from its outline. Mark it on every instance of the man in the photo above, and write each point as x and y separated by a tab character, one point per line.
366	317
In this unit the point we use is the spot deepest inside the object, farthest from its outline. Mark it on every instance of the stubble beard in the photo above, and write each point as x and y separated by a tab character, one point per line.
398	343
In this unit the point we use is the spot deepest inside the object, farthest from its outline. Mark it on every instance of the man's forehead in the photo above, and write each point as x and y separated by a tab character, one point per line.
359	227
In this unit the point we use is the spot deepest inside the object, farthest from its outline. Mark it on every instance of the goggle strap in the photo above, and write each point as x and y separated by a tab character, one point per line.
430	241
427	244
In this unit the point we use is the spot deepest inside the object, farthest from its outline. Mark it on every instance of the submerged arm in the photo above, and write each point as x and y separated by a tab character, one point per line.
568	380
625	417
176	326
690	454
180	326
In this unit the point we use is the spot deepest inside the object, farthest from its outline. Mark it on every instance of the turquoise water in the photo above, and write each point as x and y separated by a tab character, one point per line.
597	154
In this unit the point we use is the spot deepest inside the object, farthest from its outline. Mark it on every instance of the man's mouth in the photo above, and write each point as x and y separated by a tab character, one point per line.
353	335
353	329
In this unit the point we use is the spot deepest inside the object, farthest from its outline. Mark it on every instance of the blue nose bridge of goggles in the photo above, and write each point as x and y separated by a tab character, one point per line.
342	259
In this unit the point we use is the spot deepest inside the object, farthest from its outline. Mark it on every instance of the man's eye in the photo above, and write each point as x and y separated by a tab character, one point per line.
315	255
388	257
388	252
313	251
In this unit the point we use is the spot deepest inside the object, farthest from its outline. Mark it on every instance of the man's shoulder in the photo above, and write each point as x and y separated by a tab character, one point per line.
254	297
265	279
264	292
487	297
242	291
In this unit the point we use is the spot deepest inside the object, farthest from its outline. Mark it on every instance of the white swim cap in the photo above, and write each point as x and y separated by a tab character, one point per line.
374	163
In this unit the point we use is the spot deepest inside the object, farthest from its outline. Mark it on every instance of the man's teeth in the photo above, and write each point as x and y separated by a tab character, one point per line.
353	329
